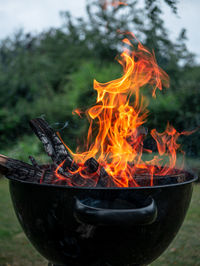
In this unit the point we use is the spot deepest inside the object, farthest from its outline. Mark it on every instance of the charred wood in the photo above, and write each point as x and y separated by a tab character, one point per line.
104	180
34	162
53	146
92	165
16	169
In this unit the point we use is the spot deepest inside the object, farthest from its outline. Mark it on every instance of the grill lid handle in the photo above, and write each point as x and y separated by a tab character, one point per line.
119	217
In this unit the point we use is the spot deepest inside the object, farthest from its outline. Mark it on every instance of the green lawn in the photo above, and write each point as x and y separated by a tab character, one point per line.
15	249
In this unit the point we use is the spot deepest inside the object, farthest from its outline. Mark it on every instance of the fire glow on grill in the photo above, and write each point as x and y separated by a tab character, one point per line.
119	115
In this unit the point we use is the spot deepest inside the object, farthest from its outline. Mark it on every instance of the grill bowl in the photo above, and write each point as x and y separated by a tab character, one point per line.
77	226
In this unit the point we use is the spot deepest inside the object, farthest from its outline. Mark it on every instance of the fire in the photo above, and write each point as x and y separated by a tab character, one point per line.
113	3
116	132
78	112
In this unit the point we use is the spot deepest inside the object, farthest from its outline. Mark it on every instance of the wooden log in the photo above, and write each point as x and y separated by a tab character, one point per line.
92	165
79	181
53	146
45	174
23	171
58	152
104	180
34	162
19	170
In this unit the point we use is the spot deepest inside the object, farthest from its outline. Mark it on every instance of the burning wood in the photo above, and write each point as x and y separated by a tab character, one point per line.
114	158
62	172
24	171
35	173
52	144
92	165
104	180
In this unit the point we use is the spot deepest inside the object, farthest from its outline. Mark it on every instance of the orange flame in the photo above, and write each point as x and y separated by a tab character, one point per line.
77	112
113	3
119	113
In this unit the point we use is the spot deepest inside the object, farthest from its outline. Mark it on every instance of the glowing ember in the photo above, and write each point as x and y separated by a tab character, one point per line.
118	118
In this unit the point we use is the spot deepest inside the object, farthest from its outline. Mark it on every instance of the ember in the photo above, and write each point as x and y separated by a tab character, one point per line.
113	156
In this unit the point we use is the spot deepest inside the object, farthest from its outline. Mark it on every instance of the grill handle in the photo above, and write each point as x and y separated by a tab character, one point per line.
119	217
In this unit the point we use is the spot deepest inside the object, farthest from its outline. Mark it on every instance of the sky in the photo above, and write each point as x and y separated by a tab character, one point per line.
38	15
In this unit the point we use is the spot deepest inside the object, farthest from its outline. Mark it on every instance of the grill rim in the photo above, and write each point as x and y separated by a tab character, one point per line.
191	176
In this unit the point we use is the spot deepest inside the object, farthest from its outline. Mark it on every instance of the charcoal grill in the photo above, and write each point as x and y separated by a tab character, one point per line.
78	226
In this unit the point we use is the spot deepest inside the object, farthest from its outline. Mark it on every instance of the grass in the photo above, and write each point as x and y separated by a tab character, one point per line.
15	249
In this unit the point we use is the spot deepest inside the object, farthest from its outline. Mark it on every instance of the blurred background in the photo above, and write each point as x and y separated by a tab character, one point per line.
50	52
